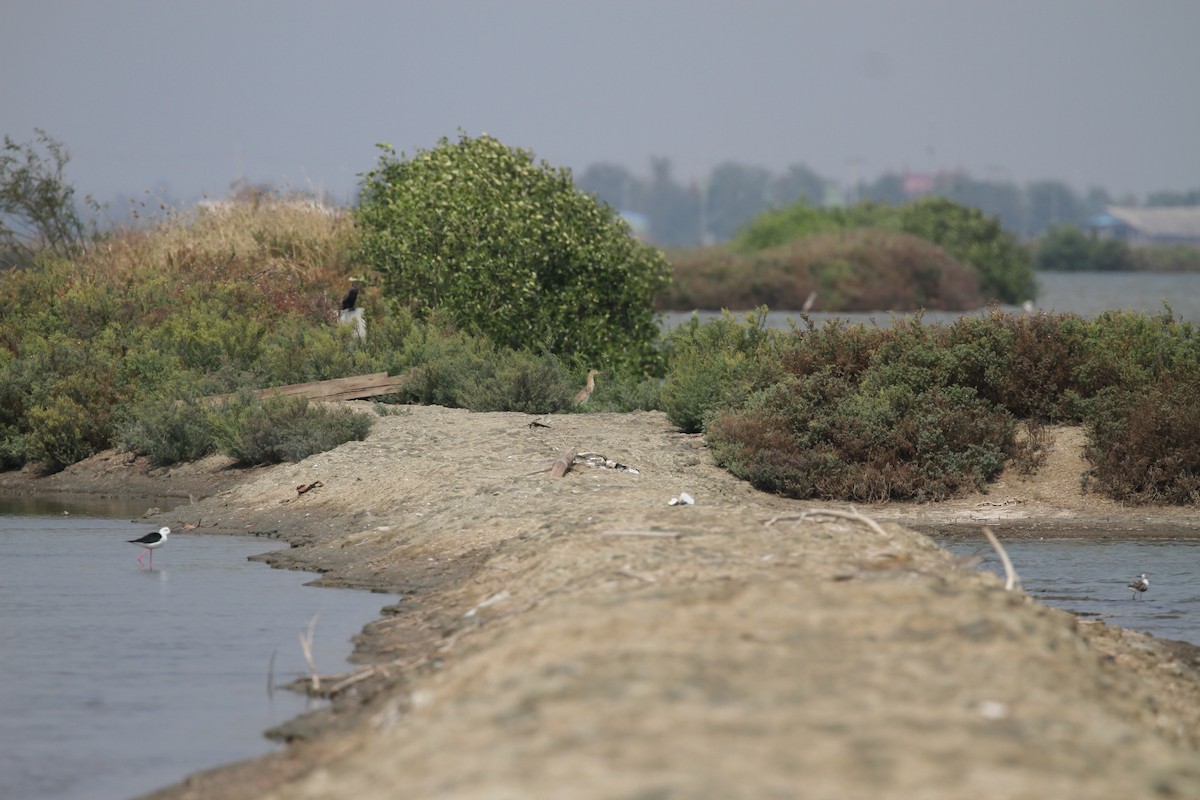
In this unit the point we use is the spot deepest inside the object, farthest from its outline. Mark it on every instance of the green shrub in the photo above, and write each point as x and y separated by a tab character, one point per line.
1129	350
1065	248
717	365
836	346
284	428
442	364
1025	363
822	437
61	432
169	431
1003	266
1005	272
855	270
518	381
511	250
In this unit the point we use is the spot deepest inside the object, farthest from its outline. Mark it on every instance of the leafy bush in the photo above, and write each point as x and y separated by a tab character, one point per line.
1144	445
976	240
518	381
1005	272
37	205
623	392
511	250
823	437
284	428
169	431
1025	363
717	365
1065	248
857	270
61	432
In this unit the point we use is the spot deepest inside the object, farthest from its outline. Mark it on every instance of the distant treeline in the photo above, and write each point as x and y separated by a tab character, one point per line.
712	210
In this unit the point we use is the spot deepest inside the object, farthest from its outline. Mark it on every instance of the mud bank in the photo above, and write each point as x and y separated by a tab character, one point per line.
581	637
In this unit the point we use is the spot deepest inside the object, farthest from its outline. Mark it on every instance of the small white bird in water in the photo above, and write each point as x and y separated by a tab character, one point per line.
1139	586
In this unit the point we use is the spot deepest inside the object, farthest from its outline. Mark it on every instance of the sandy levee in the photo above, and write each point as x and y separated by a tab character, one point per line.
582	636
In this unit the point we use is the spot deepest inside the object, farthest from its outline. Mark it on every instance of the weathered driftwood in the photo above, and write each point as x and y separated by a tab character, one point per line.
562	464
357	387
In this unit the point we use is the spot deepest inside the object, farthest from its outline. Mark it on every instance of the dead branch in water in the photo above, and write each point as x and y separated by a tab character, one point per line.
1010	574
306	641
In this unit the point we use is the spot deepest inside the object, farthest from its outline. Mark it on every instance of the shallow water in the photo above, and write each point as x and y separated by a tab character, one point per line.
1089	578
119	680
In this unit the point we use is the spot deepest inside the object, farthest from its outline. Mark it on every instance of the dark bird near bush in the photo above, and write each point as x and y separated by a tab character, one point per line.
351	296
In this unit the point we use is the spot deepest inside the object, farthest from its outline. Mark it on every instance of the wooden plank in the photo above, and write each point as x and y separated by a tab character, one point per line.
390	387
353	388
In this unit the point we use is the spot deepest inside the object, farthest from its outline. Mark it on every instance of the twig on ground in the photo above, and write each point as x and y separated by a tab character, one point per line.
852	515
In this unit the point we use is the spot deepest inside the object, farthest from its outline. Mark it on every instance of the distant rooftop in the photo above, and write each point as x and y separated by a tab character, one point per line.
1169	222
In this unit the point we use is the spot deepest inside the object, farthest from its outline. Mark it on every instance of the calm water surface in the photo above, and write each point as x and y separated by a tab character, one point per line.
118	681
1089	578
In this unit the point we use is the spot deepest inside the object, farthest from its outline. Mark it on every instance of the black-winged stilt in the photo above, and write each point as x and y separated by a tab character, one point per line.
151	541
1140	585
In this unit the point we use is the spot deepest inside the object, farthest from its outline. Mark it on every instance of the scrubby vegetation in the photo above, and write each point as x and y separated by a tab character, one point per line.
118	345
920	412
124	339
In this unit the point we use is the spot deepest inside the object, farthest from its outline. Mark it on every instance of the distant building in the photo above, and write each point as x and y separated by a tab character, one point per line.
1162	225
918	184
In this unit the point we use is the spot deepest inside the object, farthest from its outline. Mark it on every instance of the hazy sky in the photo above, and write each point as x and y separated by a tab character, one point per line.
297	93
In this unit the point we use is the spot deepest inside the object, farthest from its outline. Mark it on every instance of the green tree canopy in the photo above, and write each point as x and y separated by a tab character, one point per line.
510	249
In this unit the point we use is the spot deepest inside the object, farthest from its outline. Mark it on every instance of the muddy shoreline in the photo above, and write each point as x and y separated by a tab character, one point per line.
580	635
